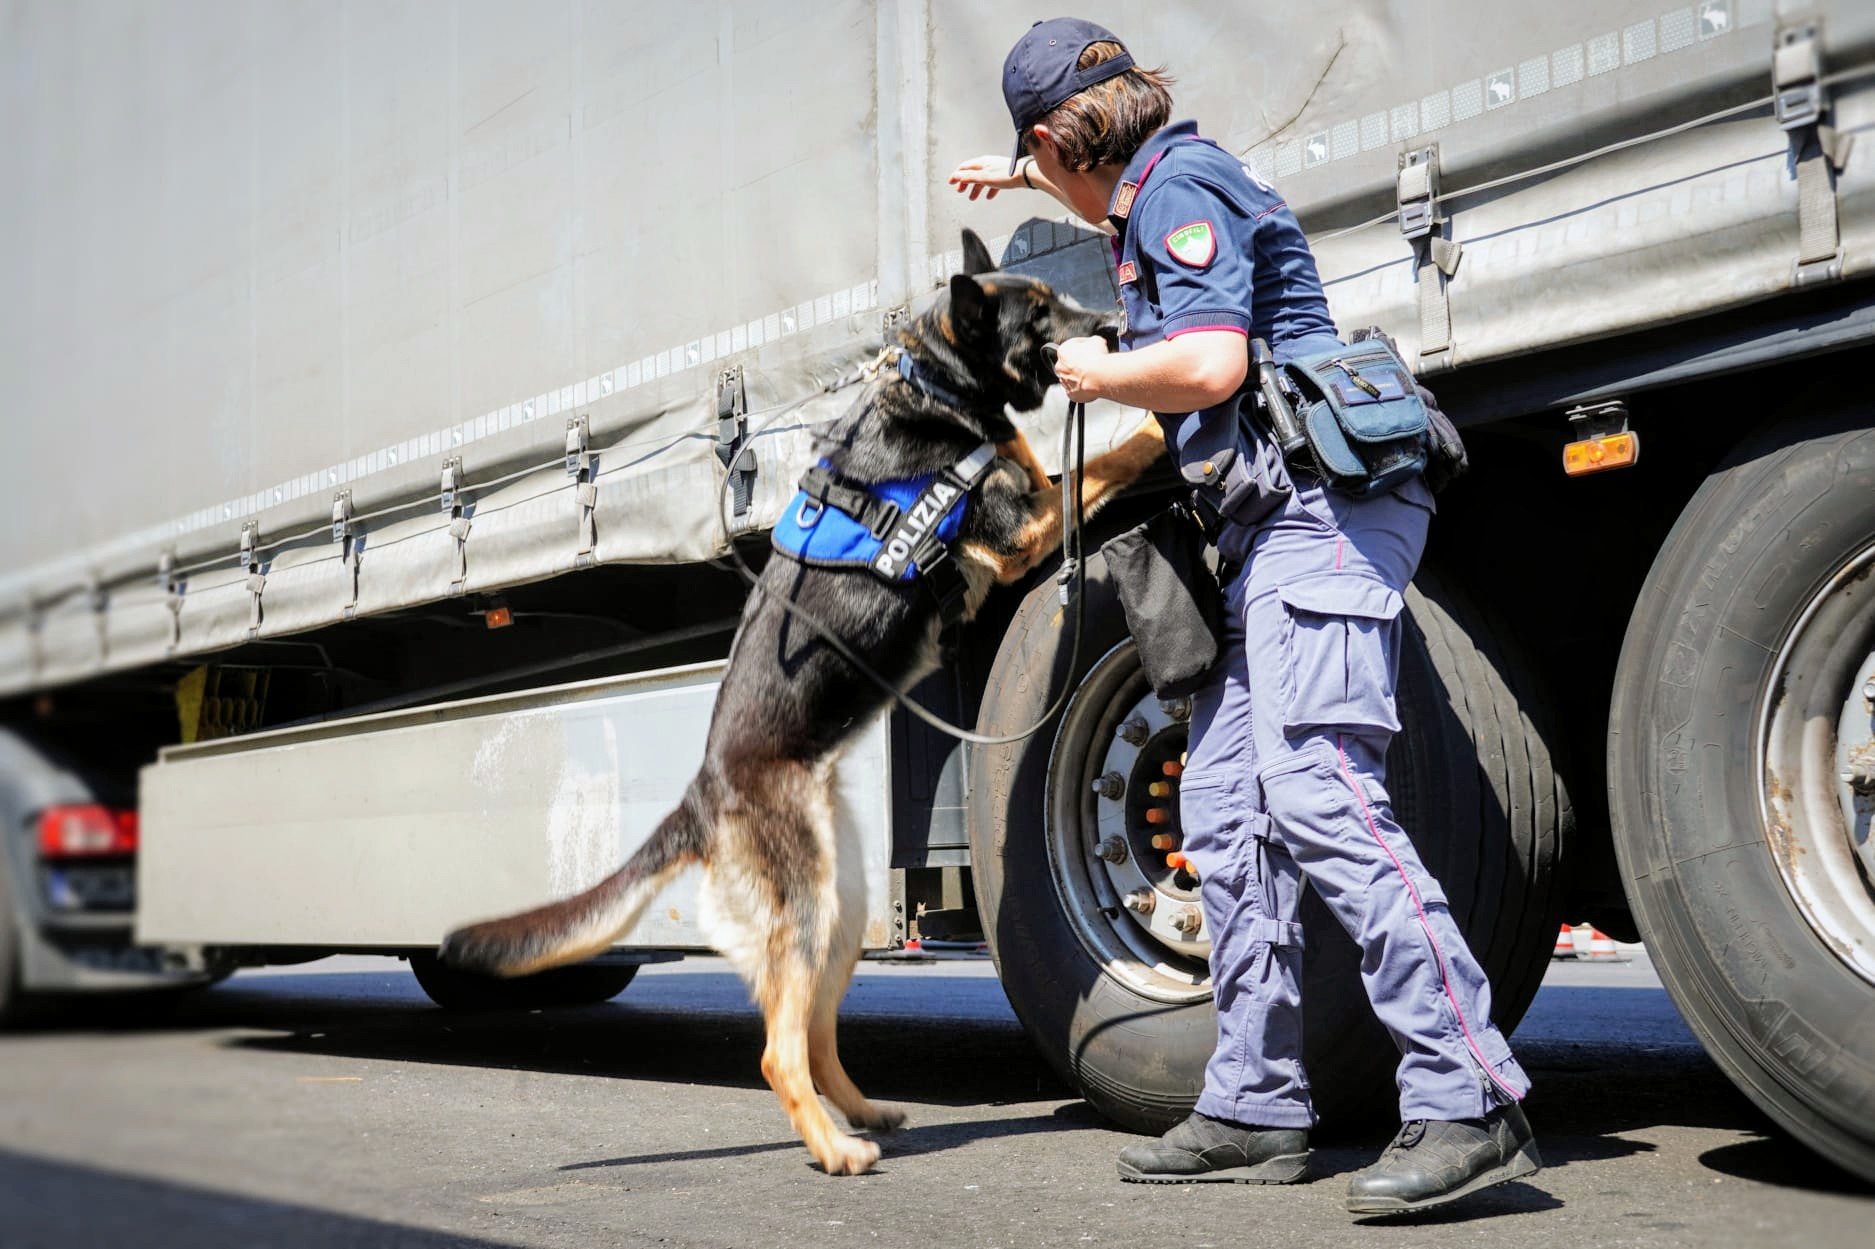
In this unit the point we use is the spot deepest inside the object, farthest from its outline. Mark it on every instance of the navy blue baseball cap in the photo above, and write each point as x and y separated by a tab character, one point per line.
1042	70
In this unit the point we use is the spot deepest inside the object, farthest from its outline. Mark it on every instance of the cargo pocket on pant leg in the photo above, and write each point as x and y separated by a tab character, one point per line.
1341	648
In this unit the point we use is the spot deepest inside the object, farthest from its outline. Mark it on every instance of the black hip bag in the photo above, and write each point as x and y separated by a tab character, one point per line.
1170	593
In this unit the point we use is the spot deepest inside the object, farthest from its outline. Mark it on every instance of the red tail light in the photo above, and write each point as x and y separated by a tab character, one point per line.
86	832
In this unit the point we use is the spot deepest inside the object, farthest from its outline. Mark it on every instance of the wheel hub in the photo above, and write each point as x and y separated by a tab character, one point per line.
1114	840
1817	763
1137	830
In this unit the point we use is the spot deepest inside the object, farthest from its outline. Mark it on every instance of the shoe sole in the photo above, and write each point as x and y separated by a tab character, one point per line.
1525	1161
1282	1169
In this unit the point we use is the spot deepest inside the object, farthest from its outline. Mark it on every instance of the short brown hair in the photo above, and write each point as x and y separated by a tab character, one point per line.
1107	123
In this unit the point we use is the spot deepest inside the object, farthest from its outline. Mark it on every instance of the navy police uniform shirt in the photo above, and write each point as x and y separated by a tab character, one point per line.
1203	243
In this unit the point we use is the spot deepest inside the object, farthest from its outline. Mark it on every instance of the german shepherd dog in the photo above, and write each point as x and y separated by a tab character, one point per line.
783	891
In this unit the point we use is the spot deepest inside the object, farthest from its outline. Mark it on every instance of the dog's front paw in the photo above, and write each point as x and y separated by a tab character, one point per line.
848	1155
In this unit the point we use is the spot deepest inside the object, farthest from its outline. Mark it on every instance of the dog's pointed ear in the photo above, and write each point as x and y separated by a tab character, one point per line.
977	257
969	305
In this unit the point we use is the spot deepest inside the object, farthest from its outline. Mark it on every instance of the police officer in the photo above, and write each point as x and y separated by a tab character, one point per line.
1285	774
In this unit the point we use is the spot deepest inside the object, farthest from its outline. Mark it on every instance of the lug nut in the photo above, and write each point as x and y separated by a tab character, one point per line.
1163	841
1173	769
1113	850
1111	785
1188	921
1141	901
1133	731
1158	815
1177	708
1160	789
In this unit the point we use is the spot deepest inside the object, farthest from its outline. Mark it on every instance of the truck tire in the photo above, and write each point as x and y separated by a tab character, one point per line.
585	984
1744	702
1119	1005
16	1006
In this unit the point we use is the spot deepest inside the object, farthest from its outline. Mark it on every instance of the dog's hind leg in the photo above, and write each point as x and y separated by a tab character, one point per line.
770	908
824	1056
847	936
788	1004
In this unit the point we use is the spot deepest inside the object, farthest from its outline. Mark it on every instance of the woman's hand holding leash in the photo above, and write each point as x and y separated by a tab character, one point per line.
1076	361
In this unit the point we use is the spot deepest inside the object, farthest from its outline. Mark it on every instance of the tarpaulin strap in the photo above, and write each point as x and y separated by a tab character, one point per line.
732	440
351	543
100	602
588	495
36	636
354	551
459	530
1817	151
172	596
1435	258
1820	153
581	467
256	576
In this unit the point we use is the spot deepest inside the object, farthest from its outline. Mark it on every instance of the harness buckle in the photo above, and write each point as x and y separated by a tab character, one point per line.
885	516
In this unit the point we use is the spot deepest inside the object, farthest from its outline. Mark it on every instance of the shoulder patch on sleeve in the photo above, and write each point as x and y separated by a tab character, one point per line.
1194	244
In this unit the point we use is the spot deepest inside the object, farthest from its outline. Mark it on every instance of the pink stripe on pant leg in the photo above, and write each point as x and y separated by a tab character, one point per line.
1445	982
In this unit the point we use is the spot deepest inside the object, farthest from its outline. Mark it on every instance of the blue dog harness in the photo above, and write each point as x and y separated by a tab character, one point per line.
897	530
900	531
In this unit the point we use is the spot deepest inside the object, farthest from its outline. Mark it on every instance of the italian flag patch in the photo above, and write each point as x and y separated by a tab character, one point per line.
1193	244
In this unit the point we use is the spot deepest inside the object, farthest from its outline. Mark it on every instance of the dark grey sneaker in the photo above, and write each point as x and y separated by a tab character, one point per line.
1203	1150
1431	1162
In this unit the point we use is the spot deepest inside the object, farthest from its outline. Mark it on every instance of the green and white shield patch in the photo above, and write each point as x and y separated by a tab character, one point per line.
1194	244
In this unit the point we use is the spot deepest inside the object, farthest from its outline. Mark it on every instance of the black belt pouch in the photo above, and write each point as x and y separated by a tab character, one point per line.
1172	599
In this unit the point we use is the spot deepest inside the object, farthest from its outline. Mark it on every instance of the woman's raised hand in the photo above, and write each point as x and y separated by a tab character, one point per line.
985	176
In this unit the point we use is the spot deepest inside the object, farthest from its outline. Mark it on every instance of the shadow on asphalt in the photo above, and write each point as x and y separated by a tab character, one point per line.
58	1204
1492	1203
907	1142
1591	1090
1774	1159
707	1035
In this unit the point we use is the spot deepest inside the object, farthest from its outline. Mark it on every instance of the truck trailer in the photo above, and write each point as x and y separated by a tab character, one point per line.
386	385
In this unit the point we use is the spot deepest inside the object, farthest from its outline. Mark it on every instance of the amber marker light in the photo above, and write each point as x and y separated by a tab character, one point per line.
1593	455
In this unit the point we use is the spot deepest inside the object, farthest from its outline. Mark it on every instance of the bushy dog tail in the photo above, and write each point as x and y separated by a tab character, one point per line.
586	923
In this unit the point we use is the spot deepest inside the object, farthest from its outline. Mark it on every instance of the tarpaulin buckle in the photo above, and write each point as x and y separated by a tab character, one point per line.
172	585
578	445
1797	76
256	576
1817	151
1435	257
351	544
582	467
451	482
732	431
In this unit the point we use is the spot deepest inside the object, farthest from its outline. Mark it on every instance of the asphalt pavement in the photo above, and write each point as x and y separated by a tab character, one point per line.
331	1105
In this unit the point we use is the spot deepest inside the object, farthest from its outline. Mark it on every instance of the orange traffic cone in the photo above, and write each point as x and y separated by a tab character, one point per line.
1565	943
1602	947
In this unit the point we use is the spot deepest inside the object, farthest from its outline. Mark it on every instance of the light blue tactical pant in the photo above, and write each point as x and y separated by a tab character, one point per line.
1285	780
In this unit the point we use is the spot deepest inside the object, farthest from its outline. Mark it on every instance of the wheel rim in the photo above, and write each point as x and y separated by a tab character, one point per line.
1816	763
1111	752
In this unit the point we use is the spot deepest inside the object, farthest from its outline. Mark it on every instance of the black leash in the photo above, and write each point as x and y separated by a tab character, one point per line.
1071	580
